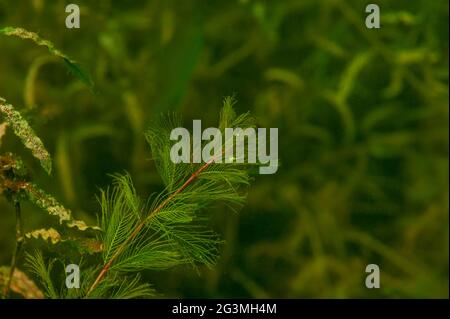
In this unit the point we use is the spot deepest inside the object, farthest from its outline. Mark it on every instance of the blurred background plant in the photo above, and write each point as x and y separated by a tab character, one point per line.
362	114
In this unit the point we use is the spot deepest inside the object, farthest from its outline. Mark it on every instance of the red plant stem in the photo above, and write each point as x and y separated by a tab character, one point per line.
139	227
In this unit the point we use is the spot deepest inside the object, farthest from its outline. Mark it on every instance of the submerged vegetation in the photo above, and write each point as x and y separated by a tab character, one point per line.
135	234
363	141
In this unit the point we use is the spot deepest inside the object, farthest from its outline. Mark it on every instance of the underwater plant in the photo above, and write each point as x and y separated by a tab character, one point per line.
134	234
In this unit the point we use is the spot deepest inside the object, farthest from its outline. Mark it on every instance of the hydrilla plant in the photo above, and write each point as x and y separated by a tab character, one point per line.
134	233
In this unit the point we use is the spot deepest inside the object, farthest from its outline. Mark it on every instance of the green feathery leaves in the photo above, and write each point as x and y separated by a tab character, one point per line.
118	287
131	288
42	271
158	137
172	230
120	215
168	229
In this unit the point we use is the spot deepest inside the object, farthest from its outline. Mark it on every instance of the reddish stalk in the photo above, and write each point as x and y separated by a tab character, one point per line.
133	235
